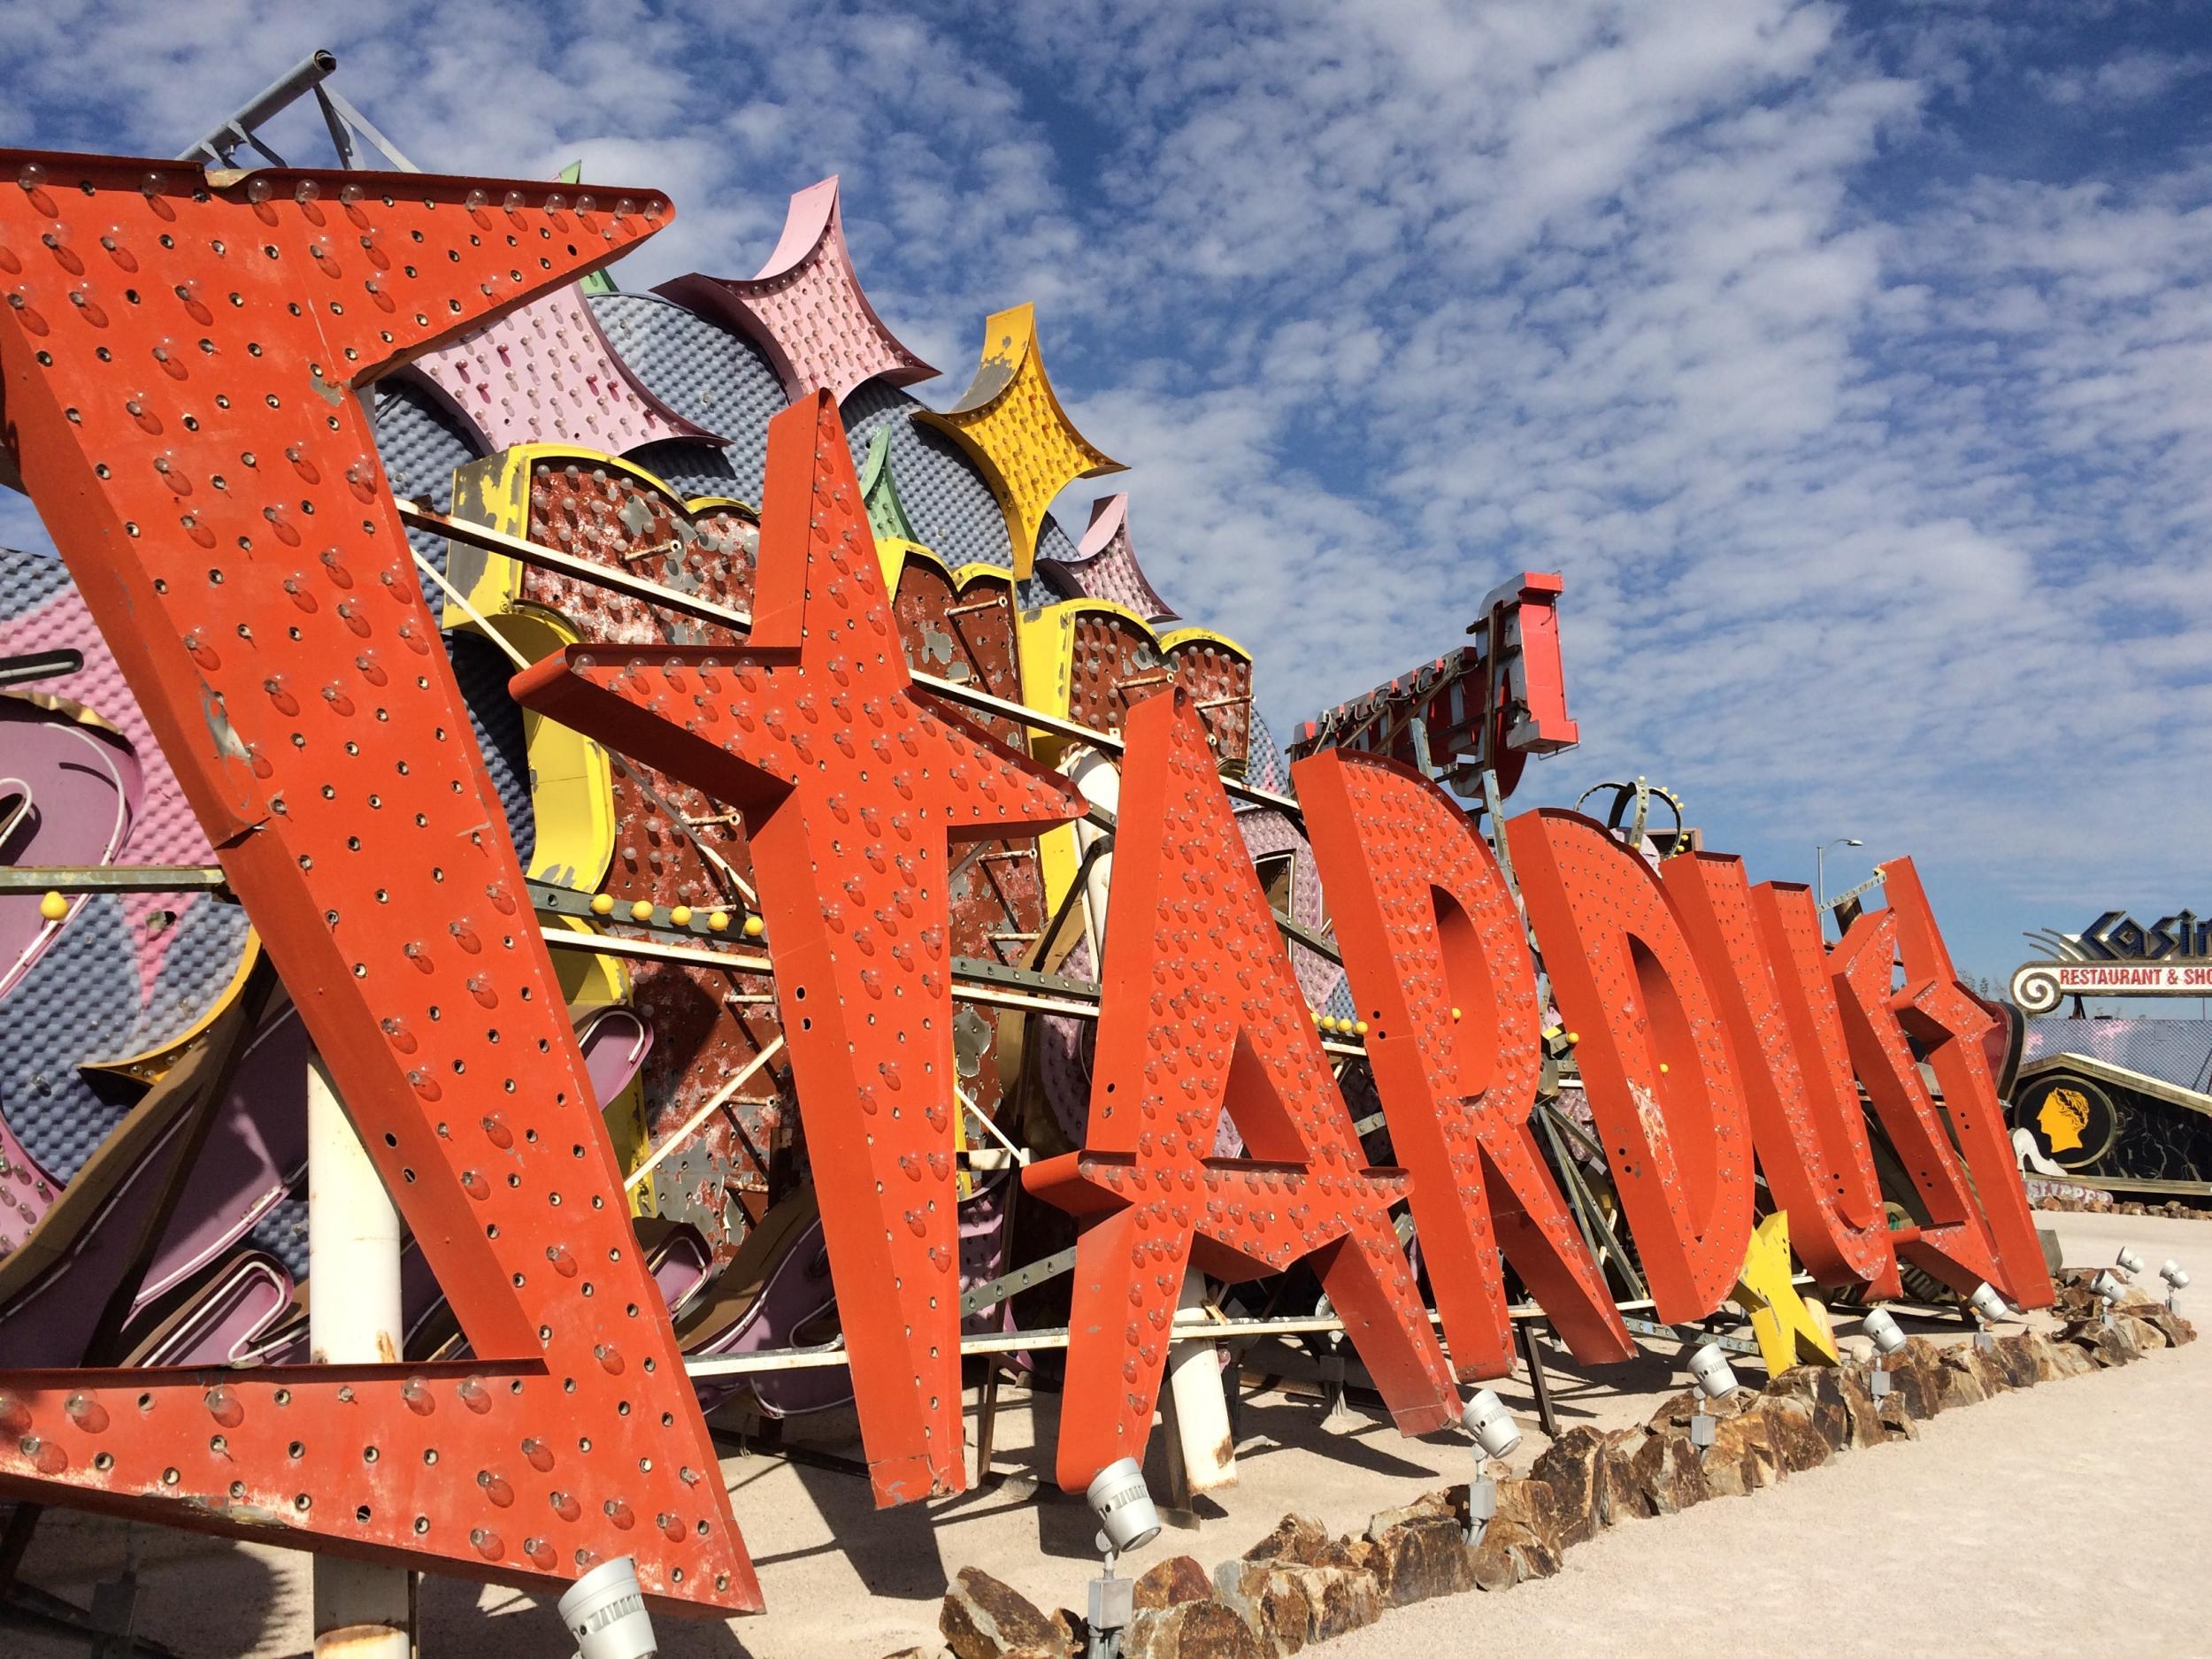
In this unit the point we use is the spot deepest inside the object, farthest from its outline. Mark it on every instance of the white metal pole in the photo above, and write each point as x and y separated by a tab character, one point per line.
1202	1407
361	1612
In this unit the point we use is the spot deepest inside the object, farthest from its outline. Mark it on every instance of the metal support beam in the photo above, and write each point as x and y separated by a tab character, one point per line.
361	1612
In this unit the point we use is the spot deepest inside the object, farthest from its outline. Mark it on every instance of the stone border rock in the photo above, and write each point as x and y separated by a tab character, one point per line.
2069	1204
1299	1586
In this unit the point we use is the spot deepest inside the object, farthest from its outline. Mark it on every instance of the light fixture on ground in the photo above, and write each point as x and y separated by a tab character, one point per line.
2130	1261
606	1615
1889	1340
2107	1289
1987	1307
1126	1520
1715	1379
2176	1277
1495	1434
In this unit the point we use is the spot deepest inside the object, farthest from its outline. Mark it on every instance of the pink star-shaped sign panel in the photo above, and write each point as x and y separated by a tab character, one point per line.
806	308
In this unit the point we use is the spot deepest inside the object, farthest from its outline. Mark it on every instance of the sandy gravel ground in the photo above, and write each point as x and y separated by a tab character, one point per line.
2077	1519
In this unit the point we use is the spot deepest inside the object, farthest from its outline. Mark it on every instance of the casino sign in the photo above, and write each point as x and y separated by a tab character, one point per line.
2116	955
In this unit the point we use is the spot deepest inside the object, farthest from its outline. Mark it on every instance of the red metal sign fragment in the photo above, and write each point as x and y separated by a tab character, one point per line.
1811	1137
1653	1060
852	785
1954	1242
1440	967
1950	1025
178	363
1200	1012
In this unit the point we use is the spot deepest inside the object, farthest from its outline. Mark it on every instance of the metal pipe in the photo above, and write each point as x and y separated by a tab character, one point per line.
421	516
361	1612
285	90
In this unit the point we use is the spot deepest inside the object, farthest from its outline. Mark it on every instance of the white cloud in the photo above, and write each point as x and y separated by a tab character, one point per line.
1877	465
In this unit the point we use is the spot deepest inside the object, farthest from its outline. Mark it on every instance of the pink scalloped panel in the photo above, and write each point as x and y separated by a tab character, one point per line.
544	373
163	830
1105	565
806	308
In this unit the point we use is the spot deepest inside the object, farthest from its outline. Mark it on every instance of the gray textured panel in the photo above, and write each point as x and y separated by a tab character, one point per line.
70	1007
79	1003
1053	541
282	1233
2178	1052
704	373
29	580
946	499
420	443
483	670
696	469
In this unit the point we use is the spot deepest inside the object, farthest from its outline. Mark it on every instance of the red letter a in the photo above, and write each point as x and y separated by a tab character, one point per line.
1438	960
1201	1011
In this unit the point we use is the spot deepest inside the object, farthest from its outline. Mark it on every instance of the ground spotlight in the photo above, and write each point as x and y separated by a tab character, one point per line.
2130	1261
1492	1424
1888	1335
1126	1517
1495	1435
1126	1520
606	1615
1888	1338
2176	1277
1989	1307
1715	1377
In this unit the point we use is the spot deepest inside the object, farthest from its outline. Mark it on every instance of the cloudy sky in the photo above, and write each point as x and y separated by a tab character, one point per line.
1853	363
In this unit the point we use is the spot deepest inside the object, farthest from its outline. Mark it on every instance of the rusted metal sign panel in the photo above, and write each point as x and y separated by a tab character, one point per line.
1440	971
962	626
663	844
851	787
1653	1060
1201	1014
179	360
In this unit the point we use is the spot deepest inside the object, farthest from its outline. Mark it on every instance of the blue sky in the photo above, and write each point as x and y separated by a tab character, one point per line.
1855	363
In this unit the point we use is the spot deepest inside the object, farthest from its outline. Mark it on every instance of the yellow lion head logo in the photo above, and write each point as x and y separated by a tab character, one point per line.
2065	1114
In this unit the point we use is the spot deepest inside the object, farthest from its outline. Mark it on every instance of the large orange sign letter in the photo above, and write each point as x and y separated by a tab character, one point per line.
852	785
181	359
1980	1226
1201	1012
1812	1141
1439	963
1653	1058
